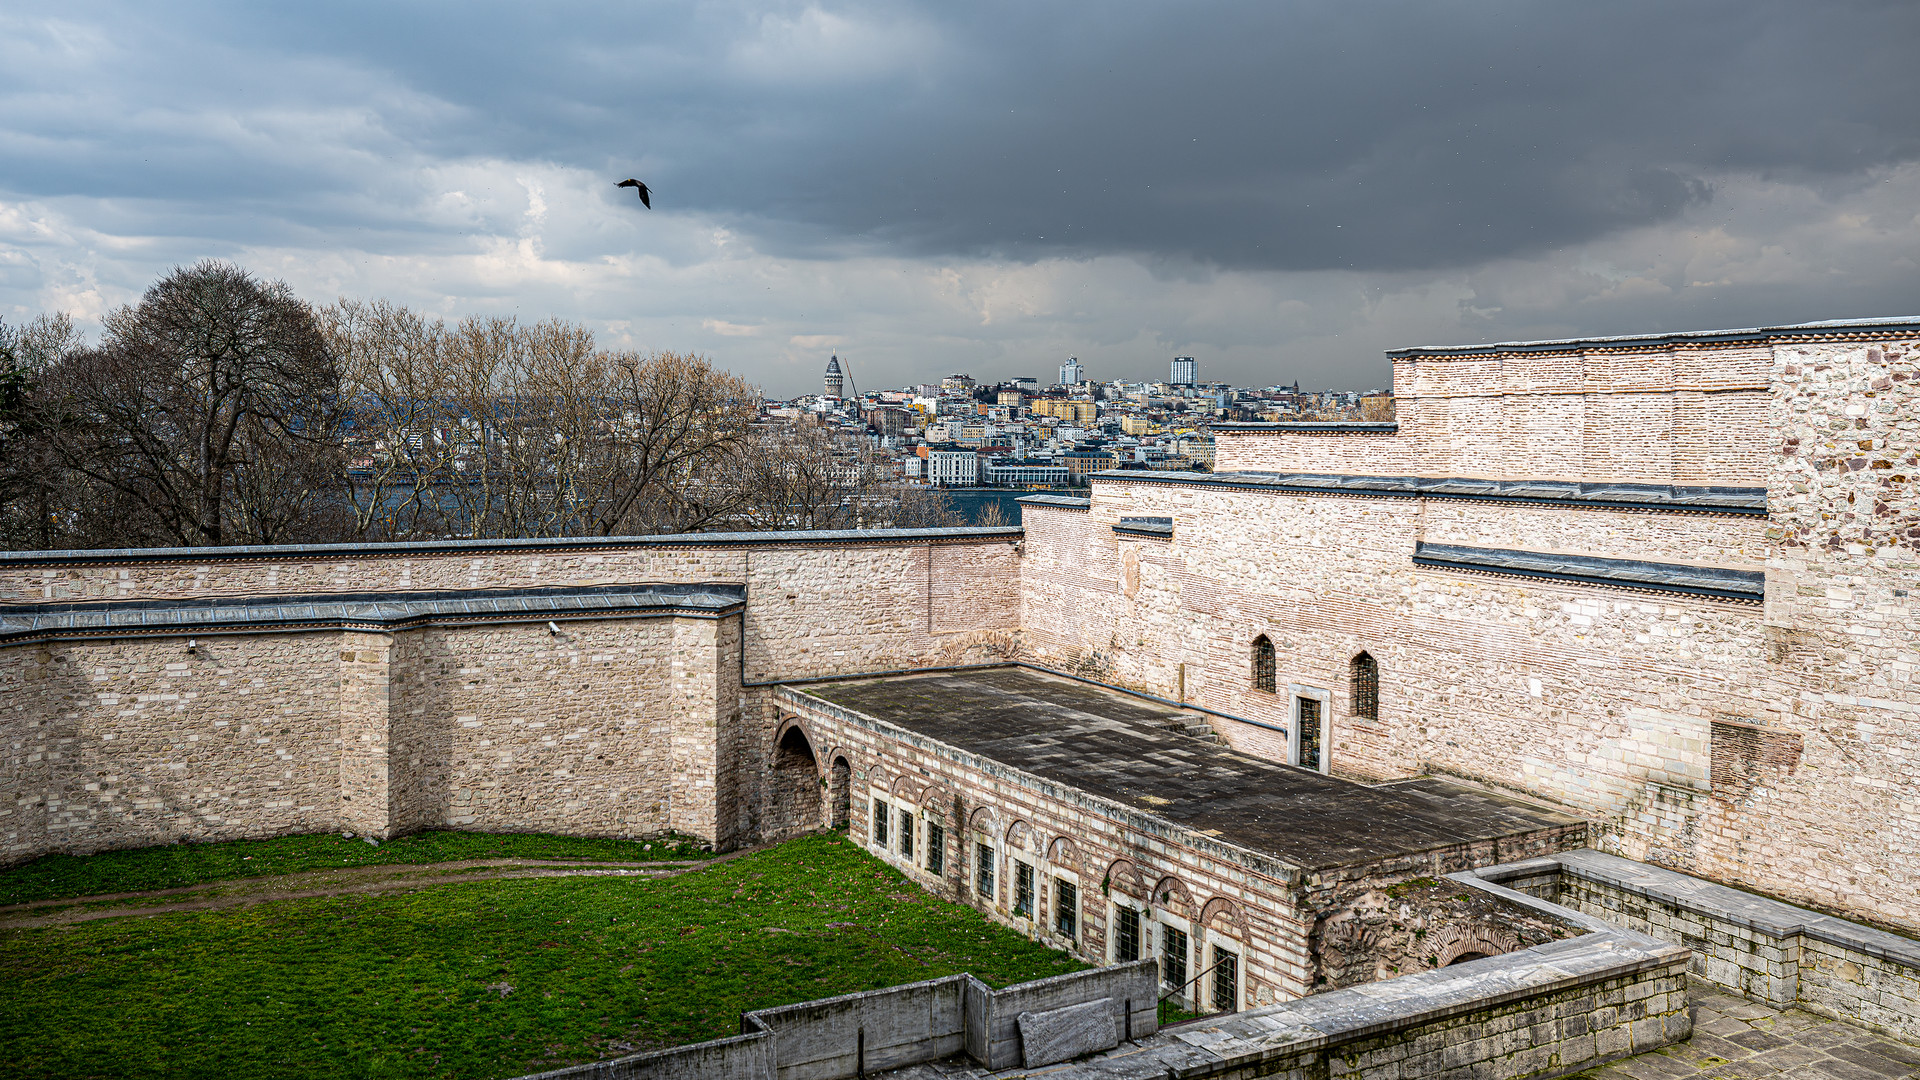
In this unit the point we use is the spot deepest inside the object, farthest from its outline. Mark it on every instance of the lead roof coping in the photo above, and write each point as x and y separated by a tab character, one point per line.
230	613
1891	324
574	543
1739	500
1596	570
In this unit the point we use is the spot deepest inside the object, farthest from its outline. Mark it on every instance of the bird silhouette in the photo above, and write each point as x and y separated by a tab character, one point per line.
646	200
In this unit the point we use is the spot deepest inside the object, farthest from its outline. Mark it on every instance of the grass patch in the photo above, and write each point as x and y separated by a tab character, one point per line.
53	877
488	979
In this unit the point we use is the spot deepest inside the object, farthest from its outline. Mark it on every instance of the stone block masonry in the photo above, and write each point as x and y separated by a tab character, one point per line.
1770	744
502	687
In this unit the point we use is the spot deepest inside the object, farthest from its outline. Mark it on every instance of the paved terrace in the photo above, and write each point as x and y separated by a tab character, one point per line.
1119	747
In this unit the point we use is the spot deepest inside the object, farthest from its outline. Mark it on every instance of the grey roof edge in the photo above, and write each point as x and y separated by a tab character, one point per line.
1261	862
574	543
1541	492
1307	427
1722	583
1775	918
218	616
1057	502
1157	527
1893	324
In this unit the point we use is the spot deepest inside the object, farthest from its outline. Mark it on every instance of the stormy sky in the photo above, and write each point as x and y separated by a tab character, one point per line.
1280	189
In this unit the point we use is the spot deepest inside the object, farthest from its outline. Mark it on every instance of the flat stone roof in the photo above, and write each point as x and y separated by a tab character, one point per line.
1117	746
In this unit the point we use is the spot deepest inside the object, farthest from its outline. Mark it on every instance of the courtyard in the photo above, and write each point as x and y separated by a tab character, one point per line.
487	975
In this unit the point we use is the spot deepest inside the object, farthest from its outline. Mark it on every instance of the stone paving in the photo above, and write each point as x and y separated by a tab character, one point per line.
1737	1039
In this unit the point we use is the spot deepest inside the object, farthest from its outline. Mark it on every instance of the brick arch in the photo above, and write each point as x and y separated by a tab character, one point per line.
1172	893
1470	940
937	796
1228	912
881	777
1061	852
788	723
1020	835
1124	877
984	820
906	787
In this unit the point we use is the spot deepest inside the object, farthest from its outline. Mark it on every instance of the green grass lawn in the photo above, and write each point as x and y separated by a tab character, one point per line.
487	979
54	876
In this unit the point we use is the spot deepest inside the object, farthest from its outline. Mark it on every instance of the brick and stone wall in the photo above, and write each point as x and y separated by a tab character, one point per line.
1284	924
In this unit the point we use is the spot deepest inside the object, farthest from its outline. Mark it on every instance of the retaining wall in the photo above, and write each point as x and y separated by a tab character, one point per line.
1764	949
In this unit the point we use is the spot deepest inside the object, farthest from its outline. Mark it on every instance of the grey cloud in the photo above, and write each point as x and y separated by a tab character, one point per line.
1322	135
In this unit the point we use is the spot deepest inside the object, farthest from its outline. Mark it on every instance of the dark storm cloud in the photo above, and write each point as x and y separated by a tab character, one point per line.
1259	135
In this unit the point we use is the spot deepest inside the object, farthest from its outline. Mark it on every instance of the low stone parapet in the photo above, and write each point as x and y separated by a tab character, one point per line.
1786	956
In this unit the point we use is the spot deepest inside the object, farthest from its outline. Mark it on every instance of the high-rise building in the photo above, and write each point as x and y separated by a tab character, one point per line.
1186	371
1070	372
835	381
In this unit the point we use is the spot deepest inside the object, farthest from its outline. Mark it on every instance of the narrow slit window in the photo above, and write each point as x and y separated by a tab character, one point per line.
1363	675
936	847
1263	666
983	870
1066	908
1022	889
1126	935
880	817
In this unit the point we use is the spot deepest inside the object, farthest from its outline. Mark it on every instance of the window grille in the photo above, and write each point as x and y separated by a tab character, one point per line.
1022	889
1226	980
1126	935
880	824
1263	676
906	832
1363	675
1308	756
936	847
1066	908
1173	958
983	870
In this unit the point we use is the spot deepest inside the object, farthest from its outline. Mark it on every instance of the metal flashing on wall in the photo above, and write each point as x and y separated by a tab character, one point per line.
1568	493
371	611
1749	585
1156	528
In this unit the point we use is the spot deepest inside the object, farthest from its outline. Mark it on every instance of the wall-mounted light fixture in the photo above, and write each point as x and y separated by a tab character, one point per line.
193	647
553	628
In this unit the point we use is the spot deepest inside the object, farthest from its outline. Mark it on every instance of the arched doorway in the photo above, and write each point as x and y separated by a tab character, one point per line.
793	791
840	790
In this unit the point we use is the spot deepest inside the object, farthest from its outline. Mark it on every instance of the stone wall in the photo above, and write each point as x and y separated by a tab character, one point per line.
1771	745
1760	948
609	726
1648	412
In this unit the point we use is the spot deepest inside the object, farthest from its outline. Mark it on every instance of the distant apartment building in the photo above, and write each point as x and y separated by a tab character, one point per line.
1135	424
1080	463
953	468
1186	371
957	384
889	421
1026	474
1026	382
1070	373
1012	398
1376	407
1072	412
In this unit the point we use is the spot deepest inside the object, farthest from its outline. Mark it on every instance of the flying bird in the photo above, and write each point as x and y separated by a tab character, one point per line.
646	200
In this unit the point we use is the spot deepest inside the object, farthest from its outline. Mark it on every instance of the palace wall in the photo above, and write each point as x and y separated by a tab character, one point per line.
1772	745
621	724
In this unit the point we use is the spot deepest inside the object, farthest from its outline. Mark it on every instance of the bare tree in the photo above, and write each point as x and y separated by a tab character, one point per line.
30	483
210	411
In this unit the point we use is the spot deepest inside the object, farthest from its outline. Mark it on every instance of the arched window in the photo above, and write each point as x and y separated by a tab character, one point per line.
1263	664
1363	676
